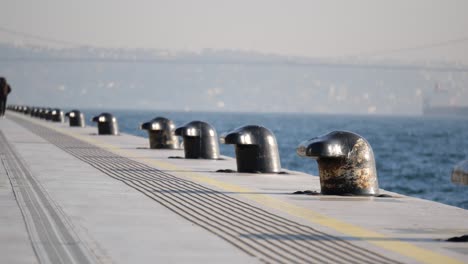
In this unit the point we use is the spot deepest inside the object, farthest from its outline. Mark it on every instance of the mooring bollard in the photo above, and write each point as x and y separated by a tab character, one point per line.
346	163
27	110
34	111
161	133
200	140
107	124
46	114
57	115
76	118
41	113
256	149
38	112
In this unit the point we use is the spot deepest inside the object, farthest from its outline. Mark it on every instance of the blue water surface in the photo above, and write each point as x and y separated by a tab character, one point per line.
414	155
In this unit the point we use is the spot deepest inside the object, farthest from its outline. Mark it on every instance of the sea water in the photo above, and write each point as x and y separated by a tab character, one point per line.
414	155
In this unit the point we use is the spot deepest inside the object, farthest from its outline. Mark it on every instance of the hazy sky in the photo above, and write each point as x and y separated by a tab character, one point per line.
320	28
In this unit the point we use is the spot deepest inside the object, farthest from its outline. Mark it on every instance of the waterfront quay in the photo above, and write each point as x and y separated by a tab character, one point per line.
69	195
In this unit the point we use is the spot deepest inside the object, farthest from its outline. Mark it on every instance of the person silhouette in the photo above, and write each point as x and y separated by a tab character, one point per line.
5	89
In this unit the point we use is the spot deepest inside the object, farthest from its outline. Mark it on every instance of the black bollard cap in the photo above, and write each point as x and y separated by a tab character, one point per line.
196	129
346	163
103	118
200	140
336	144
157	124
73	113
161	133
256	149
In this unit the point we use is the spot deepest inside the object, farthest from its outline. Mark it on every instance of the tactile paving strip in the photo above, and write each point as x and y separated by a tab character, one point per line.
51	237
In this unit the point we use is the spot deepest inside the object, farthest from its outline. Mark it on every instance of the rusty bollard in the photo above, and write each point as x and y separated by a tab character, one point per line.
346	163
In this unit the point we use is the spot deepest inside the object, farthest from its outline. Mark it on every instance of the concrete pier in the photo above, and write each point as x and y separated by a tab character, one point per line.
68	195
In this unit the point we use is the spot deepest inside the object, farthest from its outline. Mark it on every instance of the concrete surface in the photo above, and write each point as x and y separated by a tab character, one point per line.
192	214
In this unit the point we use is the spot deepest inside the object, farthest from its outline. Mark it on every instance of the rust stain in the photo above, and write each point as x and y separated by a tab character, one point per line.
353	174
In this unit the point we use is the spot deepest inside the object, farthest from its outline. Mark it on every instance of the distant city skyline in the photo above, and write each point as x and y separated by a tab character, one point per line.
225	81
418	29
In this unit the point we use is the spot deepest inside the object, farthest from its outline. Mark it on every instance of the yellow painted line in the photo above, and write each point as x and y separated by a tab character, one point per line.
403	248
